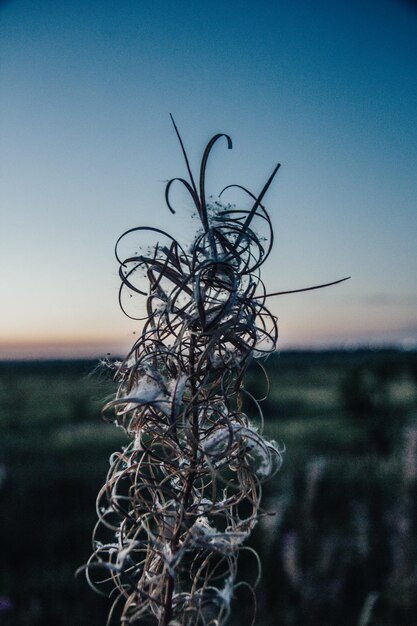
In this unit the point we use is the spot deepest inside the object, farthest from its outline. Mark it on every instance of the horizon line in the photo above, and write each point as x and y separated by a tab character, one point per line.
79	355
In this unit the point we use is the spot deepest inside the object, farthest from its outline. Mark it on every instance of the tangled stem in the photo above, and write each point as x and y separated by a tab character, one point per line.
181	499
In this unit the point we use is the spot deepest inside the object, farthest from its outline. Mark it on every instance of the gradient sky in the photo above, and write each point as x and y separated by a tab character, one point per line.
329	89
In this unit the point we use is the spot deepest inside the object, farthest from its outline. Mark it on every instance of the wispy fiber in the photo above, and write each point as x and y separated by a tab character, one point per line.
182	498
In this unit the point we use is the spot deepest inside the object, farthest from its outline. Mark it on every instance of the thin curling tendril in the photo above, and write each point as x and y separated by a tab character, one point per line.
182	498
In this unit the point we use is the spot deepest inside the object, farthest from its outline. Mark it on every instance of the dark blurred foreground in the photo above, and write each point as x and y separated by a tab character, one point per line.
338	546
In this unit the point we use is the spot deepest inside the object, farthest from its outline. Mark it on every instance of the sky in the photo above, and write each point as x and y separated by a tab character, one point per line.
328	89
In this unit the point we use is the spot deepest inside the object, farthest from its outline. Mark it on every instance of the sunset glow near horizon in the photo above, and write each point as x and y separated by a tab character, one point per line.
327	89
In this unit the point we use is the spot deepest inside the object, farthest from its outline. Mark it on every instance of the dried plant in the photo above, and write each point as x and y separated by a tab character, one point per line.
181	499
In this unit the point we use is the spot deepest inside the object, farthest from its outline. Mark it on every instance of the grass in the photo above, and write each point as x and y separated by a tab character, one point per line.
344	523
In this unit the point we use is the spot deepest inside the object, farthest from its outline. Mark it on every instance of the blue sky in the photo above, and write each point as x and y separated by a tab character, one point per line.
327	89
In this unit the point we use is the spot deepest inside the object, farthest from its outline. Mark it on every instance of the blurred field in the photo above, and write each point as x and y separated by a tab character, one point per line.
339	543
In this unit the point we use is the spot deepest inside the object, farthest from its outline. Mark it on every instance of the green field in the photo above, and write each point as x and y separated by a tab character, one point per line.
339	543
